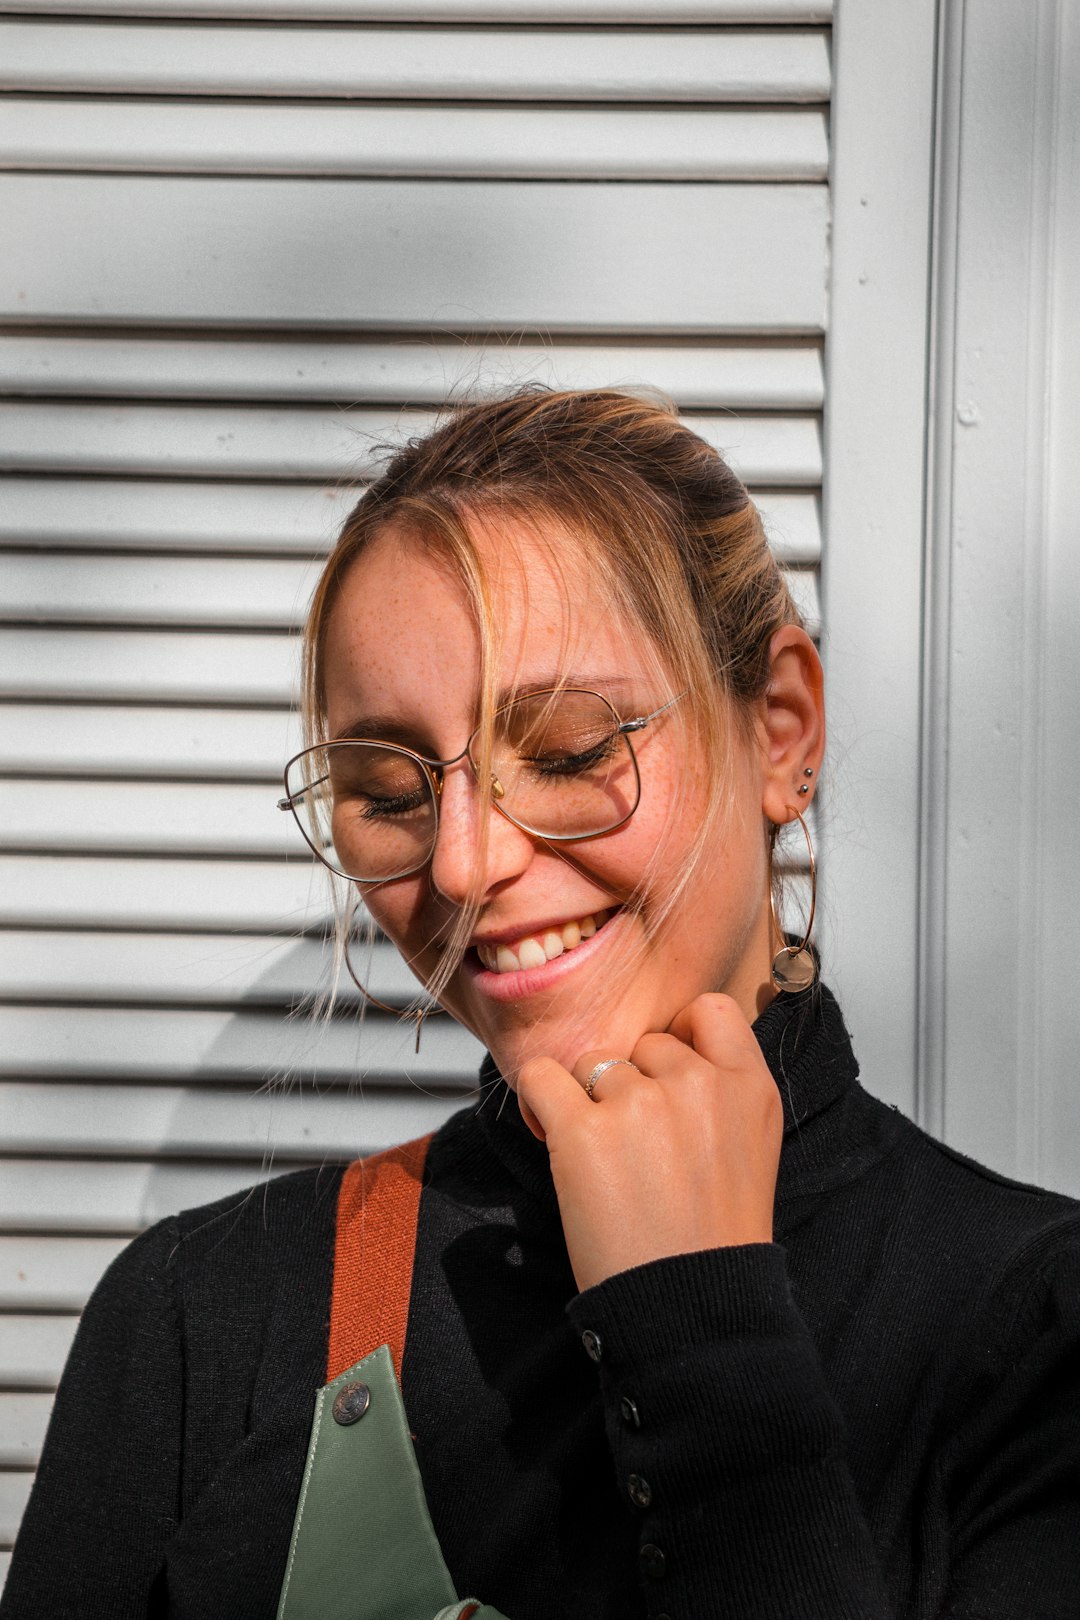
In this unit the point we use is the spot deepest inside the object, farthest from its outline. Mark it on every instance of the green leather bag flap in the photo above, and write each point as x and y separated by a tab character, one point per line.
363	1545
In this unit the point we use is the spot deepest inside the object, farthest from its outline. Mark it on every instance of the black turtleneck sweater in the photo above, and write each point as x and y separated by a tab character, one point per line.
876	1415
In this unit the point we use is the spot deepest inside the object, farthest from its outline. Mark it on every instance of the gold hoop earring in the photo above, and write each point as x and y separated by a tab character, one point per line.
794	967
420	1014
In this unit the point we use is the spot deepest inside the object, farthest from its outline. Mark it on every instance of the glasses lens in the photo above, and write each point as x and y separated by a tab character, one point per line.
367	810
564	768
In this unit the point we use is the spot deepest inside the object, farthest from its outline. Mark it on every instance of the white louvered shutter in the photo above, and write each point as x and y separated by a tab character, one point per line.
244	244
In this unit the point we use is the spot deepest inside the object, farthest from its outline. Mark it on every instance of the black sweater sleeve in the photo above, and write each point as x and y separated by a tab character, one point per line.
729	1446
715	1400
98	1549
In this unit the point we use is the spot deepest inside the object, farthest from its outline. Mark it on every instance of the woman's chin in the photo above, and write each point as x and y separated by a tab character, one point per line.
565	1044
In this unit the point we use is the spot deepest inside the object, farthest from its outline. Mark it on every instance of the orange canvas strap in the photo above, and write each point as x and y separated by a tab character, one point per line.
377	1213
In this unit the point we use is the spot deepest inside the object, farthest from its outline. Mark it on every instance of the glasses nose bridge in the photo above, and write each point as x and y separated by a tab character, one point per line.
437	768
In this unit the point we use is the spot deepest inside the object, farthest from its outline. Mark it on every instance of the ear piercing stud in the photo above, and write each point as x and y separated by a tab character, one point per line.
805	788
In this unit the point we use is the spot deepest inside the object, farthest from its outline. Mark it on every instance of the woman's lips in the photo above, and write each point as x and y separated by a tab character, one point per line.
530	981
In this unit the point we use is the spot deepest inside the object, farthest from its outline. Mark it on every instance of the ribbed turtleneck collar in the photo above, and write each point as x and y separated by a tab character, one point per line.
808	1050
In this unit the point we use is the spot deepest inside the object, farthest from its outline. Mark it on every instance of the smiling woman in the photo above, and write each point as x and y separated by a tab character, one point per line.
684	1322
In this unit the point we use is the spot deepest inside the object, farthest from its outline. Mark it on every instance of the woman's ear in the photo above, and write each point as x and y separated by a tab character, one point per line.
793	719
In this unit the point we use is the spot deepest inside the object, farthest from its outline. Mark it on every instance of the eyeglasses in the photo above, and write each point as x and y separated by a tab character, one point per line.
562	767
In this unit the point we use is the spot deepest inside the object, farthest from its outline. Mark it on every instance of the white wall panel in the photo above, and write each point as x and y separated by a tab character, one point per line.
444	142
469	256
1000	772
874	512
383	63
300	241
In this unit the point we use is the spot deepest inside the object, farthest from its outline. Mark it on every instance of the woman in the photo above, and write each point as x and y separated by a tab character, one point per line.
696	1326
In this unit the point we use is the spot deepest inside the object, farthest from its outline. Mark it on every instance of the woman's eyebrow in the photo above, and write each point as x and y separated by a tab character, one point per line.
386	727
558	679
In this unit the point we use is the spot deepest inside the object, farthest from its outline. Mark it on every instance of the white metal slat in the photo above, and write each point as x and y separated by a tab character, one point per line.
23	1420
149	666
52	1273
14	1491
260	594
168	818
33	1349
66	891
316	442
58	588
122	514
128	514
351	370
253	1046
198	1122
207	969
394	142
384	63
54	1196
67	739
515	12
471	256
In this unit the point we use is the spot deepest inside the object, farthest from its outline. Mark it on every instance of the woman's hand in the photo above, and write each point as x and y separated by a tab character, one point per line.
682	1156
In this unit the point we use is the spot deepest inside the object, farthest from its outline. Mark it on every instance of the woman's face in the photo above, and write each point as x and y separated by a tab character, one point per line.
402	645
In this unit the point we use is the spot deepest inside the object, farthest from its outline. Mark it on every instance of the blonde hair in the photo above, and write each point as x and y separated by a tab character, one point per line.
666	528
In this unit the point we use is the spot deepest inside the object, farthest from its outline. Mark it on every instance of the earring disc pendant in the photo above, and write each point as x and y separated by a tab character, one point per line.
793	969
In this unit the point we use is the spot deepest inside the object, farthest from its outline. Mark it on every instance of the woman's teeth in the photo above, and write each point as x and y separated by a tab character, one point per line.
536	949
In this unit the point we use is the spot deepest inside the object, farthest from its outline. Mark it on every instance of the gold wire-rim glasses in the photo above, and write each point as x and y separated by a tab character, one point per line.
433	770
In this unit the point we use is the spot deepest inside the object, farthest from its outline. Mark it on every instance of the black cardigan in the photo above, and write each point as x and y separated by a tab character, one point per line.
877	1415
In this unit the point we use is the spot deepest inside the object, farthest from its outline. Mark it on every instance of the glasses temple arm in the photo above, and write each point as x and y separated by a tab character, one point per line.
643	720
293	799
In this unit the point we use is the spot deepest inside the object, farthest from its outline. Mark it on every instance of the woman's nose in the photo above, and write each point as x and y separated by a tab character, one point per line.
463	869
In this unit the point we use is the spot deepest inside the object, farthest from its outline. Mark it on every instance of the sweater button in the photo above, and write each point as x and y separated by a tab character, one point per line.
629	1413
640	1491
652	1562
593	1348
351	1403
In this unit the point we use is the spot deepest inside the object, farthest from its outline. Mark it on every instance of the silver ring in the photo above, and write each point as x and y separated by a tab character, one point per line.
602	1068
